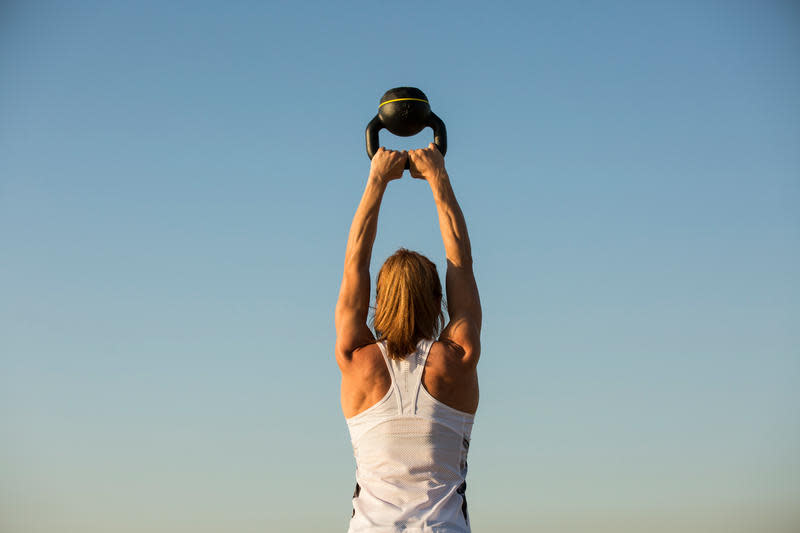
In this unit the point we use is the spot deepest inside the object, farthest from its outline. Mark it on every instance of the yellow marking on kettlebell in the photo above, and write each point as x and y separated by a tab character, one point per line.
402	99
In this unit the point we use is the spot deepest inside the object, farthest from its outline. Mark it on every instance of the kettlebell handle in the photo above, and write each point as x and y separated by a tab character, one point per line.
434	122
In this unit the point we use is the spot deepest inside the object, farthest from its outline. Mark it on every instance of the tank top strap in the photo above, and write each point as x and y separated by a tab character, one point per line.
423	350
392	375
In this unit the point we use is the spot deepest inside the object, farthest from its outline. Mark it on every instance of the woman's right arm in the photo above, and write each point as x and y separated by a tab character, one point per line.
463	301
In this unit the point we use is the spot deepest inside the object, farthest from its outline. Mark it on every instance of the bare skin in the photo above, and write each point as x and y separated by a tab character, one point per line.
450	373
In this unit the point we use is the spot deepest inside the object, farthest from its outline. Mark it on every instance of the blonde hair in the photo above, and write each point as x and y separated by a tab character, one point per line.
408	302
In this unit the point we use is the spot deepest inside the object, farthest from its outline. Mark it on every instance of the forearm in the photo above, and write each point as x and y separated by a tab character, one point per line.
364	226
451	222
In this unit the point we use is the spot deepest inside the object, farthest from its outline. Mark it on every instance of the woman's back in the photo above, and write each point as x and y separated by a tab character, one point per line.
410	414
446	377
411	455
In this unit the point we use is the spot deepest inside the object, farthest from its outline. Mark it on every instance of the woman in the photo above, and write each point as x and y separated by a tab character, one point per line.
409	398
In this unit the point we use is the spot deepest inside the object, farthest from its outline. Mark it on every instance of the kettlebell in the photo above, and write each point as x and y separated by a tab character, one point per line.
405	111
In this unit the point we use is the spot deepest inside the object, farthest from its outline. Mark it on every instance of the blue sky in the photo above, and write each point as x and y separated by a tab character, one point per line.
176	185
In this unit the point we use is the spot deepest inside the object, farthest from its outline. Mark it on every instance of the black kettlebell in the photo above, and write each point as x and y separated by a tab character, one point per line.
405	111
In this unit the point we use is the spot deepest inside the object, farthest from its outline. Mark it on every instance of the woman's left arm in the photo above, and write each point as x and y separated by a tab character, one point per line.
352	308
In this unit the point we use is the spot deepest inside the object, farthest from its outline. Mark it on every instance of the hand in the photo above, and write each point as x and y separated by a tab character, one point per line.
426	163
387	165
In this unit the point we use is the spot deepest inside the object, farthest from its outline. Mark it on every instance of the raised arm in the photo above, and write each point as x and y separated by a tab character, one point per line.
463	301
352	308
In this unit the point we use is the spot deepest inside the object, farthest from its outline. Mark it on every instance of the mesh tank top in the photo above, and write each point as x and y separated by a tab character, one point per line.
411	457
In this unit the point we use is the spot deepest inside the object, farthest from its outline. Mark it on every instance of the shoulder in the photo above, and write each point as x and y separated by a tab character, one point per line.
363	359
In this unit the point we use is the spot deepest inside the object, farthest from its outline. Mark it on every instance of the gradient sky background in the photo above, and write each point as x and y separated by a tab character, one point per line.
176	184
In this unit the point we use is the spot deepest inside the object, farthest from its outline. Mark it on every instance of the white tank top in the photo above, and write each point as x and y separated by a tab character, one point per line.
411	457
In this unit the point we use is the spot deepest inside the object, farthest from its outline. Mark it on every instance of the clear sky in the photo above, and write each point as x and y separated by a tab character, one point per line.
176	184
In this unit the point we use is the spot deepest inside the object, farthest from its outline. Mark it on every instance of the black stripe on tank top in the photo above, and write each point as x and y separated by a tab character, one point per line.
462	491
355	495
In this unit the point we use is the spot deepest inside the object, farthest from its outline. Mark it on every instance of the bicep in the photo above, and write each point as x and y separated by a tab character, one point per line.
352	309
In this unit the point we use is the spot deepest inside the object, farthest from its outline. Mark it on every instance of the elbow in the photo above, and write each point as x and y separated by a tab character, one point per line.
460	261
